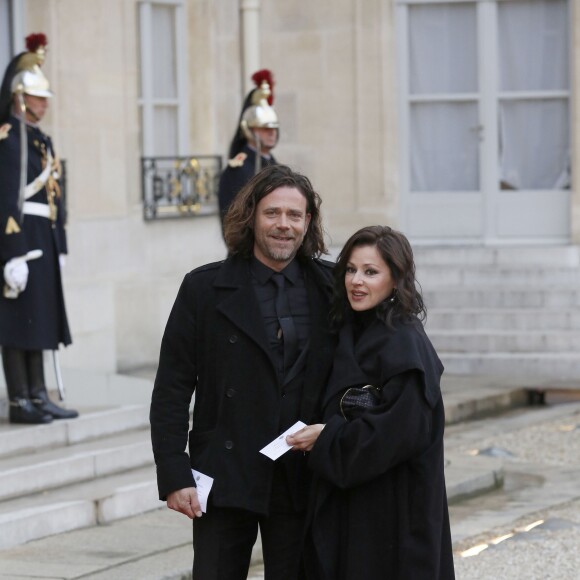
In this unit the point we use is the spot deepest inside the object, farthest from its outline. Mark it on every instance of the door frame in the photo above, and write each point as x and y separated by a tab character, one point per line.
490	199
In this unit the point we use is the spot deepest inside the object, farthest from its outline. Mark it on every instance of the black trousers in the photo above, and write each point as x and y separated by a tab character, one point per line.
223	539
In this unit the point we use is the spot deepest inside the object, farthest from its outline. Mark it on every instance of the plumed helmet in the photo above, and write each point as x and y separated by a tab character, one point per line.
23	74
257	111
29	79
260	114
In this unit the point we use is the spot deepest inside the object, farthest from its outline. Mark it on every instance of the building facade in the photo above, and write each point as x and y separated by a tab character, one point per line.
454	121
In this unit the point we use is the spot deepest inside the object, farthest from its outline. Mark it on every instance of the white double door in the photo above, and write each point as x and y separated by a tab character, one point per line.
485	120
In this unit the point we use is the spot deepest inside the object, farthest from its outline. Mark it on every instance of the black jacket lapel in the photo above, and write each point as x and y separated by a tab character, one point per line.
238	303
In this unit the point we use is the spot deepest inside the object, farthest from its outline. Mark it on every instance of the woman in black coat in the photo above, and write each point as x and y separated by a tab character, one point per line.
379	505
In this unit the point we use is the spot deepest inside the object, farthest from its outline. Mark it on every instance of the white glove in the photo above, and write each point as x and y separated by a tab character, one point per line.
62	261
16	274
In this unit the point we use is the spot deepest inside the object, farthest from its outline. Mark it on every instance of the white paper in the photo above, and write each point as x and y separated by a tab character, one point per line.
279	446
203	483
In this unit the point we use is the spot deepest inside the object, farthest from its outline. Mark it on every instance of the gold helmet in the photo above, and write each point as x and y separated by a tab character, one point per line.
256	112
29	79
260	114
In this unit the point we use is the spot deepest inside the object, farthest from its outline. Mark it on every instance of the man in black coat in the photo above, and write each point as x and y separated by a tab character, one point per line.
255	371
251	148
32	239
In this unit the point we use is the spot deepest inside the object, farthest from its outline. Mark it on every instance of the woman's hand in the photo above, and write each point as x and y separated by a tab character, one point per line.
305	439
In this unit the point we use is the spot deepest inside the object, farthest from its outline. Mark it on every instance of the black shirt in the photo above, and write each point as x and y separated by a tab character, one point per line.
266	292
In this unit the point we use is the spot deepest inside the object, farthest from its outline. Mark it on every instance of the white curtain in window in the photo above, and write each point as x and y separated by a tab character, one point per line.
443	61
534	146
444	147
442	48
533	45
163	51
165	131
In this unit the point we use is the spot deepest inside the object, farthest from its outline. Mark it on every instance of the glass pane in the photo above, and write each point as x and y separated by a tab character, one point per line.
533	45
444	147
534	144
442	48
5	52
165	134
163	50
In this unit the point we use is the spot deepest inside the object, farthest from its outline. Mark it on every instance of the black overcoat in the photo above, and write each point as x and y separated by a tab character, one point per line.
215	345
379	505
36	320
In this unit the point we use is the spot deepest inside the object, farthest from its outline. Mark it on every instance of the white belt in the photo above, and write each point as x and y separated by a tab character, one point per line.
36	185
34	208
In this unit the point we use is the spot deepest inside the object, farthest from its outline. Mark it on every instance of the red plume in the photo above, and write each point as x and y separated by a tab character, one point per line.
34	41
265	75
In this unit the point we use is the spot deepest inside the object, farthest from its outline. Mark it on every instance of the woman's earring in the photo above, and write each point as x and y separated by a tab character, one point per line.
393	296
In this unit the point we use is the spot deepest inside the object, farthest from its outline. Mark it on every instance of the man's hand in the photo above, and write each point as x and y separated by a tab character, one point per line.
305	439
185	501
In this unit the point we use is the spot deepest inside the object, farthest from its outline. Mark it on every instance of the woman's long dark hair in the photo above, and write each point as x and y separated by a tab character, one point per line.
396	252
239	221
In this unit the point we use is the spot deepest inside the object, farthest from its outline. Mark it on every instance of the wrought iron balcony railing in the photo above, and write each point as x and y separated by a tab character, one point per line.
179	187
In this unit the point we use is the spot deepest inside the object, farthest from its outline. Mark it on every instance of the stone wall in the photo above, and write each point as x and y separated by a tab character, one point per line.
337	98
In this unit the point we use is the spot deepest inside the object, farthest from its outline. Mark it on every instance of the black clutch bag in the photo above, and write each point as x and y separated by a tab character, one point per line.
357	400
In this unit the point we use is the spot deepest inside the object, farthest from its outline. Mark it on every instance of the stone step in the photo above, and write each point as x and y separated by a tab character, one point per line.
469	275
113	498
467	476
36	472
90	425
501	319
505	341
556	366
567	256
92	503
501	297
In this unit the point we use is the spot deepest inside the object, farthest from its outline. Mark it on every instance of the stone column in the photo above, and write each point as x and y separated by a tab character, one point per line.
575	122
250	20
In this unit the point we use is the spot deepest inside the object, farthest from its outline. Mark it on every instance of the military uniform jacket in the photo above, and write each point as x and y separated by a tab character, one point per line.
238	172
36	320
379	505
215	345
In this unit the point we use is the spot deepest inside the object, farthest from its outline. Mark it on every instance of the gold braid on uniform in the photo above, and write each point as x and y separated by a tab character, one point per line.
52	187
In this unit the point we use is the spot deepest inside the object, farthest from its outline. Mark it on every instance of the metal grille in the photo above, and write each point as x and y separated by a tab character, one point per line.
180	187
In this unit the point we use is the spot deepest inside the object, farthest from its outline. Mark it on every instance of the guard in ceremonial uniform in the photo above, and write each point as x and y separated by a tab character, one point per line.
32	239
256	135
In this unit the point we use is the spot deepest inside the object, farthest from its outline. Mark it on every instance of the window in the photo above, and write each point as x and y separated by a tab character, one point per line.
163	98
485	89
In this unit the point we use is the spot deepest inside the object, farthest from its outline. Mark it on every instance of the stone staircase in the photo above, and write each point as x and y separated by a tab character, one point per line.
504	311
509	312
72	474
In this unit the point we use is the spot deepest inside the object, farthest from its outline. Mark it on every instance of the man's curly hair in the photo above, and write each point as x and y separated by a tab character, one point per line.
240	219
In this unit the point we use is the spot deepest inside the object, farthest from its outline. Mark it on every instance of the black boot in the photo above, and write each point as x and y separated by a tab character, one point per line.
25	412
21	408
38	393
43	403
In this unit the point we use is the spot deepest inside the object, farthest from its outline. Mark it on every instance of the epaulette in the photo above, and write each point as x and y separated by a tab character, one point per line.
4	130
238	160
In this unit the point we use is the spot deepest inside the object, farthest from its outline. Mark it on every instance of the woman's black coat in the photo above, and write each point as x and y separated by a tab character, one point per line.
379	508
